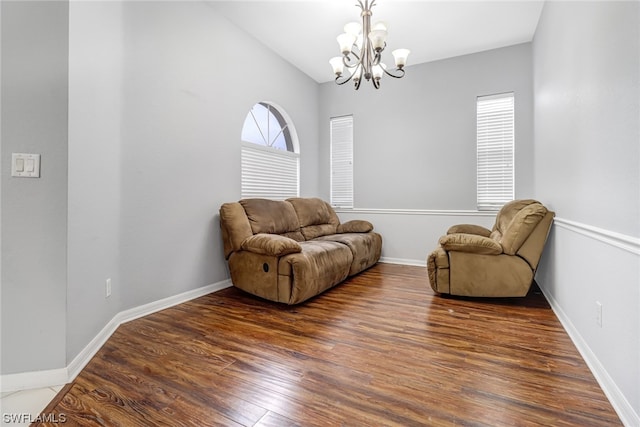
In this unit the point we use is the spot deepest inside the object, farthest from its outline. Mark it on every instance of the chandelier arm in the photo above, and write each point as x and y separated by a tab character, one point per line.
401	70
353	67
347	64
344	81
377	57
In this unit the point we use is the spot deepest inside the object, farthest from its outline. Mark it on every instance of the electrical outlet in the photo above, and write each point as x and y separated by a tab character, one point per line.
599	313
107	288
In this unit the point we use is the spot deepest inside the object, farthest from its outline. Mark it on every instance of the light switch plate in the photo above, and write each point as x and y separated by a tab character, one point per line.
25	165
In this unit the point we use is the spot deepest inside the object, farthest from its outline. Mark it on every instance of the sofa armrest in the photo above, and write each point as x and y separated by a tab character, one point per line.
471	243
270	244
478	230
355	226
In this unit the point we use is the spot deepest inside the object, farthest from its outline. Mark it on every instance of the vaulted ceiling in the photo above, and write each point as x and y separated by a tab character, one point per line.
304	32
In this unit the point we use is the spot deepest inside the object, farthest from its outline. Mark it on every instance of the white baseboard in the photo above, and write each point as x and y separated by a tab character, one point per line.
414	262
620	404
152	307
56	377
31	380
81	360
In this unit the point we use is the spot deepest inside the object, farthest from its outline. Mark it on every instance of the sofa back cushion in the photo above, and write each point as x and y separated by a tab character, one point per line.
317	218
272	217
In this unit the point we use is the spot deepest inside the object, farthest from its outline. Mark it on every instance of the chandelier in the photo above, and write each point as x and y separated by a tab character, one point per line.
361	46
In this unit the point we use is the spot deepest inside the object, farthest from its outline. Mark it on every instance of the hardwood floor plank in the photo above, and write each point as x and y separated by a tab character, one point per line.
380	349
275	420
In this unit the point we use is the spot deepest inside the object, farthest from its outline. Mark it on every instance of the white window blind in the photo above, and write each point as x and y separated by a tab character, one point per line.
495	145
342	161
269	173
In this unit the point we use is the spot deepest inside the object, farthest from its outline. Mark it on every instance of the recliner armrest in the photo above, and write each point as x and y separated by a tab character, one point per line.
271	244
355	226
469	229
471	243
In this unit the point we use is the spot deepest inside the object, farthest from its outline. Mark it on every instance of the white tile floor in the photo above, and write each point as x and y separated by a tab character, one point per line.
15	406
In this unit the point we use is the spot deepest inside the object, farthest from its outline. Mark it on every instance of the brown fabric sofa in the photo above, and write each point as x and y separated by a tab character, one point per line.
289	251
474	261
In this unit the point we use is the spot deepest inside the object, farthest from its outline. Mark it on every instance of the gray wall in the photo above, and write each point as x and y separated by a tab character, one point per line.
187	95
587	168
149	172
156	104
415	138
34	210
96	52
586	90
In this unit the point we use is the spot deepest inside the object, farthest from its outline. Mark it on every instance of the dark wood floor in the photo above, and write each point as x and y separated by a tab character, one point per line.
379	350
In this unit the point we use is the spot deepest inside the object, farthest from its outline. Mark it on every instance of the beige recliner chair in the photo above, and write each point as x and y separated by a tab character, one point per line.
475	261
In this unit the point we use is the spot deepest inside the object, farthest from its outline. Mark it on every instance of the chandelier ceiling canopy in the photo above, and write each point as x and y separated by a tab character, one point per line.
361	46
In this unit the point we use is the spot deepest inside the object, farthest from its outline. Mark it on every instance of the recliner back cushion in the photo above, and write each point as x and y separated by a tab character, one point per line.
508	211
272	217
316	217
520	227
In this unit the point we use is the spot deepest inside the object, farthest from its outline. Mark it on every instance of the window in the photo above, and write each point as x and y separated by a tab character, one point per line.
341	135
495	145
270	155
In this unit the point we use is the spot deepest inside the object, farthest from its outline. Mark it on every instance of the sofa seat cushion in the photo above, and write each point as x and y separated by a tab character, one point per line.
365	247
320	266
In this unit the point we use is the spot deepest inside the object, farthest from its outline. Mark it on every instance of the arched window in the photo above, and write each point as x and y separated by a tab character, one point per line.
270	154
